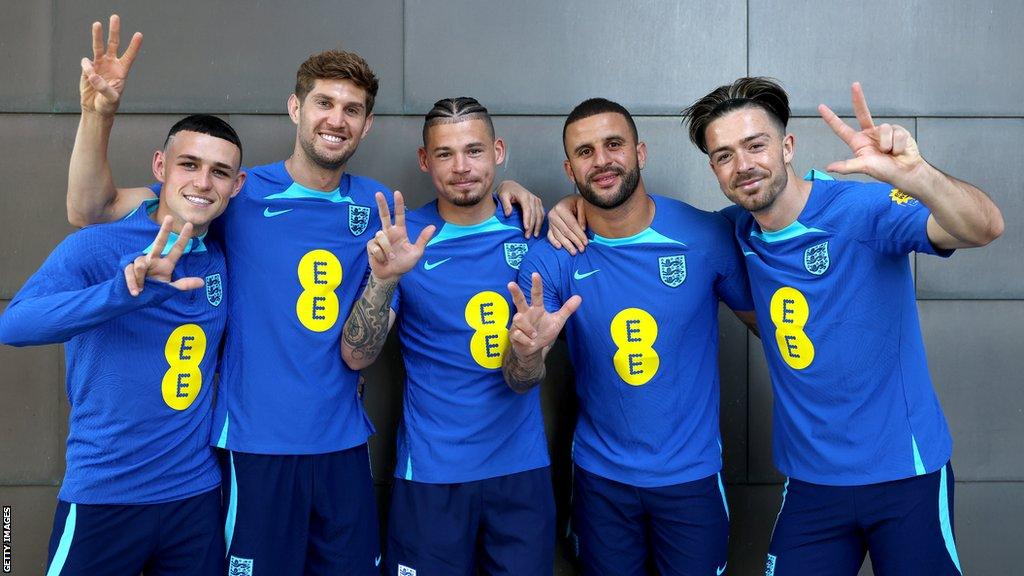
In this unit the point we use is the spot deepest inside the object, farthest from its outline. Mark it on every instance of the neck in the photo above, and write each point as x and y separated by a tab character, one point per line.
787	205
466	215
310	174
162	212
631	217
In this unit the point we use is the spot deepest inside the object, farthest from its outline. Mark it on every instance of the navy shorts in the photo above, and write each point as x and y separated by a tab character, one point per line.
182	537
300	515
621	529
501	526
906	525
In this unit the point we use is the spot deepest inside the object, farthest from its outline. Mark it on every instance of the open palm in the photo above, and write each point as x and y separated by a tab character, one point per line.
103	77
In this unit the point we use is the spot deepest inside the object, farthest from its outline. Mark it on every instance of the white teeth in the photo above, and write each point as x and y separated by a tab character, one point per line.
331	138
199	200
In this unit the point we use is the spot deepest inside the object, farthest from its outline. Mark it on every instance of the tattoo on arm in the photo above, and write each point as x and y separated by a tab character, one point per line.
520	373
367	326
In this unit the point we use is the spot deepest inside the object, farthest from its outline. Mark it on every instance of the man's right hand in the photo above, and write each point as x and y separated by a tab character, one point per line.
567	223
104	76
160	266
534	328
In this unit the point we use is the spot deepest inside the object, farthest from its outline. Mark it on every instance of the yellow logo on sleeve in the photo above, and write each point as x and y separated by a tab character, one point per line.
487	313
900	197
184	350
634	331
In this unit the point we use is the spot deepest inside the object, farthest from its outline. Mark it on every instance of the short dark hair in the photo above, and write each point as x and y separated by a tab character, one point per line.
337	65
753	91
206	124
595	106
453	110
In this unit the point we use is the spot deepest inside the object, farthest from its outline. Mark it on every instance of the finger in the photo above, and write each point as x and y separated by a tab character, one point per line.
375	252
527	217
506	201
384	243
860	107
538	217
567	309
97	40
900	138
133	50
190	283
536	291
161	236
129	279
851	166
518	337
884	138
383	211
180	244
399	209
101	86
836	123
553	240
525	325
114	35
518	298
138	280
425	236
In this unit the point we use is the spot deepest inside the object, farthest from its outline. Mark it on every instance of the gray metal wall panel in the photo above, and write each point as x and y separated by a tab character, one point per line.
675	167
922	57
544	57
987	153
985	516
976	363
35	149
31	386
817	145
220	57
31	520
26	31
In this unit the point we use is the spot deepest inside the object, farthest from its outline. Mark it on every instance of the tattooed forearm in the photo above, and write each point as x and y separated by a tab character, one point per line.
367	326
522	373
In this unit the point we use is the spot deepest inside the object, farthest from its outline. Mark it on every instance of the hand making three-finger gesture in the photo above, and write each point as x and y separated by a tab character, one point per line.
390	251
160	266
533	327
103	77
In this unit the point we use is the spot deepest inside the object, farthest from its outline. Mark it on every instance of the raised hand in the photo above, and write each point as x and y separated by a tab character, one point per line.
159	267
886	152
530	206
103	77
533	327
391	254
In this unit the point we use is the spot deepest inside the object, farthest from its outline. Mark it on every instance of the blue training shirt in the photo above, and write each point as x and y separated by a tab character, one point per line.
139	369
854	402
644	342
461	421
297	260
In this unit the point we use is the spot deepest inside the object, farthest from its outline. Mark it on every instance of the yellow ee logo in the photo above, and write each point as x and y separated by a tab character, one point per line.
319	274
487	313
634	332
184	350
790	312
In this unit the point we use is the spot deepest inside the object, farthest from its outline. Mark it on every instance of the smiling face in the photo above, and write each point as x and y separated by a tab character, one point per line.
749	152
604	159
332	119
461	158
199	174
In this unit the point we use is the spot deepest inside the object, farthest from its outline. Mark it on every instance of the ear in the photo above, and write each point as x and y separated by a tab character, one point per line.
641	154
568	171
788	148
159	159
367	126
293	108
422	153
499	151
239	182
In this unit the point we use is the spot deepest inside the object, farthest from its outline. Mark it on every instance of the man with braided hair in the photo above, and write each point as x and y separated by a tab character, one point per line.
472	484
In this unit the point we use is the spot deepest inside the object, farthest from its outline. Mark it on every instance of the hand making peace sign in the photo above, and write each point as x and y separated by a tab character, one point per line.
159	267
104	76
391	254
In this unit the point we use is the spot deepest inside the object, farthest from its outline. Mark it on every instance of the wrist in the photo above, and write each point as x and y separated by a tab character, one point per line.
384	280
95	117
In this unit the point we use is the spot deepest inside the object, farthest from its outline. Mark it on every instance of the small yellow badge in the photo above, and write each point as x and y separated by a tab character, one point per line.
900	197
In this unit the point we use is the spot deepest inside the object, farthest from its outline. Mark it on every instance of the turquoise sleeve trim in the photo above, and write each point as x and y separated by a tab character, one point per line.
918	463
816	175
64	547
947	526
229	520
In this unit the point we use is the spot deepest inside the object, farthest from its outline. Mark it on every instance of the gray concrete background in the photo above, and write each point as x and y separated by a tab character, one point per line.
949	71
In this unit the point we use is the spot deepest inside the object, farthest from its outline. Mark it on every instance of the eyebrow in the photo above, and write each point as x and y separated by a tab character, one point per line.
743	141
200	160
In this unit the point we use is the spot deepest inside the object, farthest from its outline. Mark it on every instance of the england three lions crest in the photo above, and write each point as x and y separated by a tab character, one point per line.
358	219
214	289
672	270
514	252
816	259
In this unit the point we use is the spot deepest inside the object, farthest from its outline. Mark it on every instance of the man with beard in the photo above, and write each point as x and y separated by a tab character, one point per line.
472	489
858	429
644	344
297	481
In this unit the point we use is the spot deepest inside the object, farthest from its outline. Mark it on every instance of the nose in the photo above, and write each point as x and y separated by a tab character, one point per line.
601	157
460	164
744	161
336	117
202	180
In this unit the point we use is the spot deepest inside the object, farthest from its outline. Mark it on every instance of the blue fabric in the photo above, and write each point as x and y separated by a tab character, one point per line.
461	421
644	343
502	525
854	402
311	514
178	538
139	369
681	529
901	524
285	388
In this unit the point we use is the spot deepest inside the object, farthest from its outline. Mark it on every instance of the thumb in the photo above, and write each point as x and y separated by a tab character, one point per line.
852	166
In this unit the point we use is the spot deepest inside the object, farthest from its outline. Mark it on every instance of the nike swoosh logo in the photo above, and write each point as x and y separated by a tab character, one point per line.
579	276
720	571
376	561
268	213
431	265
